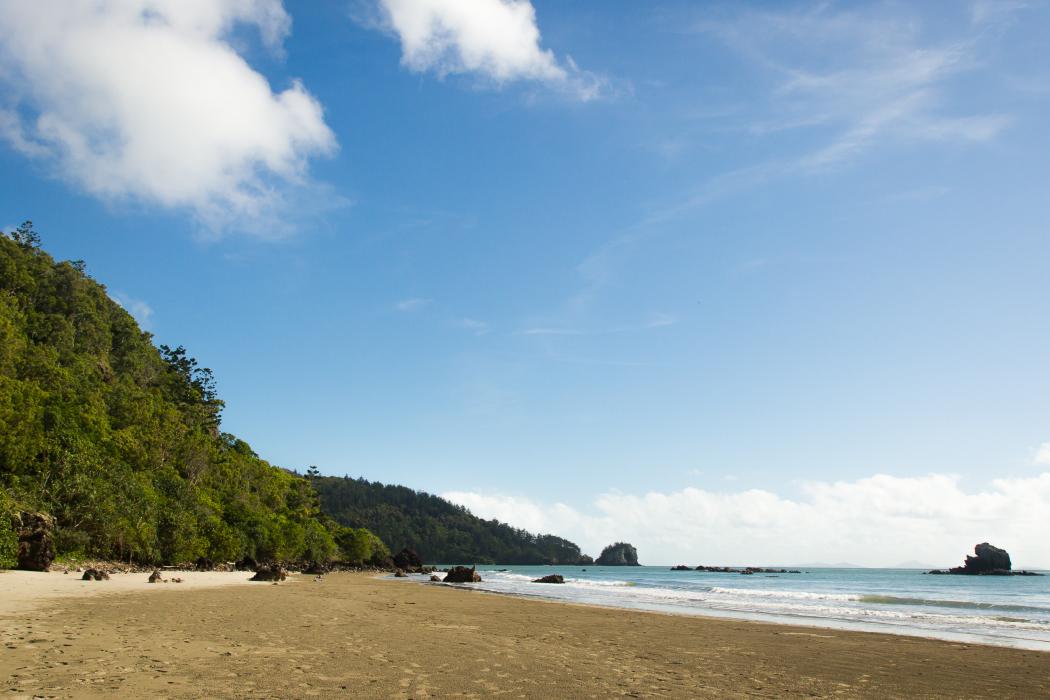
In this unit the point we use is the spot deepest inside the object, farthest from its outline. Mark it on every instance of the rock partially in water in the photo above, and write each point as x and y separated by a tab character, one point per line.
400	574
435	578
618	554
681	567
550	578
36	540
989	560
461	574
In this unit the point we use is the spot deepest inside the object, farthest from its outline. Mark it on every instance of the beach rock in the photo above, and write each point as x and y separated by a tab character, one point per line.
550	578
618	554
36	540
95	575
400	574
408	560
204	564
681	567
435	578
273	573
315	569
461	574
247	564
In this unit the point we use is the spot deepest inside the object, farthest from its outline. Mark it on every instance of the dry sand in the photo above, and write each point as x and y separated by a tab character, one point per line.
356	636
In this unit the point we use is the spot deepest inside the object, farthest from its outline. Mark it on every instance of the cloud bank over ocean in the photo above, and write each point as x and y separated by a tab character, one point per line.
881	520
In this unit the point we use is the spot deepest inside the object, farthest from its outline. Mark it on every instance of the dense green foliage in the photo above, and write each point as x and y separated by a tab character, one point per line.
439	531
121	442
8	540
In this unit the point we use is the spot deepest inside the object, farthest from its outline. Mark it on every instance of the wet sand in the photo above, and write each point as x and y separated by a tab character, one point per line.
352	635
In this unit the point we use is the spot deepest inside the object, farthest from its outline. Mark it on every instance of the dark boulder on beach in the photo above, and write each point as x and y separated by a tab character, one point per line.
247	564
408	560
315	568
550	578
461	574
400	574
989	560
273	573
36	540
95	575
618	554
204	564
435	578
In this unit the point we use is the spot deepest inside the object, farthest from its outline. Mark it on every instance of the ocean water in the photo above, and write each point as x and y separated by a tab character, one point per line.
1010	610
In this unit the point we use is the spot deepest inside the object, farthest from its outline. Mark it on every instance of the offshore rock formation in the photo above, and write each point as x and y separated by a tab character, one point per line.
989	561
747	570
36	540
619	554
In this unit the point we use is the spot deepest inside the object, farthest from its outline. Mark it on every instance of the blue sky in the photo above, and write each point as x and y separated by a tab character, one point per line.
586	267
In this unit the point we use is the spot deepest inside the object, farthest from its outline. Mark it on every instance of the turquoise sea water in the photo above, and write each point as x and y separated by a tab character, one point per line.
1012	611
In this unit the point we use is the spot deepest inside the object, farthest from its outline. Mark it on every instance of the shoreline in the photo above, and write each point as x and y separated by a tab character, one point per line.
799	620
361	635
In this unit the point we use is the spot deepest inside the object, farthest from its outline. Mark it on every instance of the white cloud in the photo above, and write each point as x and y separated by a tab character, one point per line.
880	521
148	100
496	39
142	311
413	304
1042	454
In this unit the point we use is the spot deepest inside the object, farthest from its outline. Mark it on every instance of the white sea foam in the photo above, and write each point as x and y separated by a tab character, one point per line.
989	611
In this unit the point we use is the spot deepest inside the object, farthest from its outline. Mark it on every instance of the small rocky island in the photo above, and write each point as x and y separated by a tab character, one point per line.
989	561
747	570
619	554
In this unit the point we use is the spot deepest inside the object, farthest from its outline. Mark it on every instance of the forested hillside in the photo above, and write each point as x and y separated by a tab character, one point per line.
439	531
121	442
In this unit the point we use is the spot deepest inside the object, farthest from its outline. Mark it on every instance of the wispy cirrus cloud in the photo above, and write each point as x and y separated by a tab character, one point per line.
658	320
474	326
886	81
496	40
413	304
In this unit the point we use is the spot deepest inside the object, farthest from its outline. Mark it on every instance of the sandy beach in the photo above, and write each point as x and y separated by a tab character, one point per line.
353	635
